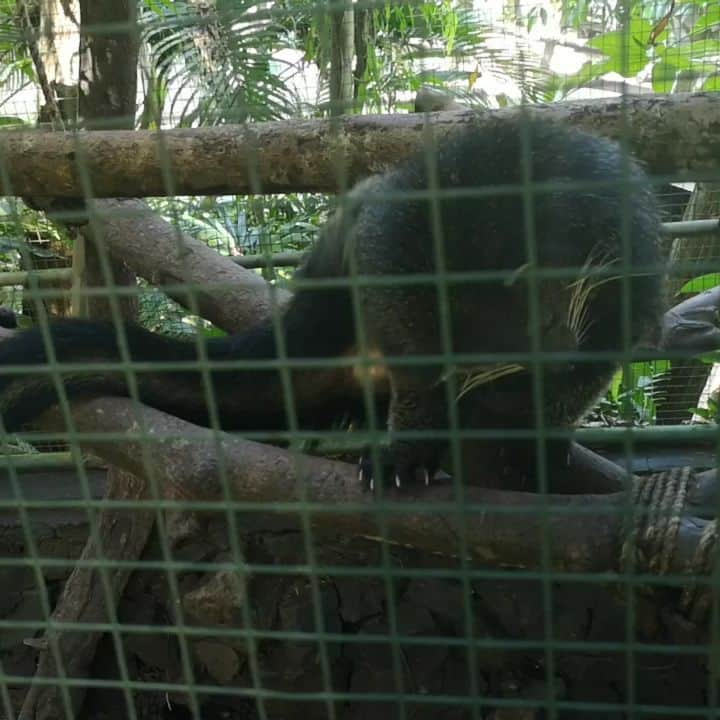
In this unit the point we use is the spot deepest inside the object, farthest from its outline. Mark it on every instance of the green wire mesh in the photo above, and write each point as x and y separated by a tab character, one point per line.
247	609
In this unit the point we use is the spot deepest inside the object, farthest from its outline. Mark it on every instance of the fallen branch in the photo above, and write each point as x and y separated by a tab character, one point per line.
671	134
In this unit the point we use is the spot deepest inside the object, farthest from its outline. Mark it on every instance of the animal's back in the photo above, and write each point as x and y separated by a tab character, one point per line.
500	200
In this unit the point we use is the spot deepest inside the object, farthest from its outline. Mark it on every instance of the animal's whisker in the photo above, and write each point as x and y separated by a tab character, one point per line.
483	375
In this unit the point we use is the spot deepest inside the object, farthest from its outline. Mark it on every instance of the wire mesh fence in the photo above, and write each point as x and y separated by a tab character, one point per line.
397	482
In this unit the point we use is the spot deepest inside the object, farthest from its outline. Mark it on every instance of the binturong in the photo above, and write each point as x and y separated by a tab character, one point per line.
494	279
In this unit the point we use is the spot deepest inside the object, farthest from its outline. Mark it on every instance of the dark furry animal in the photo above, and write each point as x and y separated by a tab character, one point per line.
8	319
466	208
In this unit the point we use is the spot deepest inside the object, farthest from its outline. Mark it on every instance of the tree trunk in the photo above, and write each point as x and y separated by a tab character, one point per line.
107	96
363	23
107	99
52	35
342	52
58	51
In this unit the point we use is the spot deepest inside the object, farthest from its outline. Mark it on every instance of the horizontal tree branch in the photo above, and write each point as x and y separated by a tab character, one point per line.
500	529
671	134
185	463
582	532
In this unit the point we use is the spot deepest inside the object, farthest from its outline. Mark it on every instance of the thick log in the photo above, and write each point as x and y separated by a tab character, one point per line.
184	461
107	93
671	134
581	533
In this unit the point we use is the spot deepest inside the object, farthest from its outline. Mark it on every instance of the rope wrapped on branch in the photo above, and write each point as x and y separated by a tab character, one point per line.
664	538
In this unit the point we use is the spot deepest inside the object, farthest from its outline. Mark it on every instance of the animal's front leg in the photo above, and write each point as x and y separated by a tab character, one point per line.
418	405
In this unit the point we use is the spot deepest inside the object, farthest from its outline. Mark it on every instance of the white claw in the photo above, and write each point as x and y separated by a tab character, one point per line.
372	483
361	477
397	480
427	476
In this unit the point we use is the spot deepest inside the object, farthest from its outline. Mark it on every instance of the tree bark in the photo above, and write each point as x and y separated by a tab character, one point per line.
51	31
107	99
323	155
362	26
243	299
228	295
184	461
89	598
342	52
57	46
584	533
108	64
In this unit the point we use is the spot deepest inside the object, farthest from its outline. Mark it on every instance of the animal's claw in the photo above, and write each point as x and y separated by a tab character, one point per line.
391	473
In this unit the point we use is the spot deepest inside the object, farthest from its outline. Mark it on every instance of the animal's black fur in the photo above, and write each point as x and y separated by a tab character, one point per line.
380	233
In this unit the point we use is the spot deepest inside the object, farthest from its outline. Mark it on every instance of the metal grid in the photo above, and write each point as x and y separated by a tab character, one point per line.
281	602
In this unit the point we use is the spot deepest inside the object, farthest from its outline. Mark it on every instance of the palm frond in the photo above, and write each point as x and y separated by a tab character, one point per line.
216	64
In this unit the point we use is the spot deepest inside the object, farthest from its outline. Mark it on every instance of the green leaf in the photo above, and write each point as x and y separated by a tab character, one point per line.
664	75
710	358
616	385
659	367
700	284
694	54
712	84
628	51
211	332
233	83
709	22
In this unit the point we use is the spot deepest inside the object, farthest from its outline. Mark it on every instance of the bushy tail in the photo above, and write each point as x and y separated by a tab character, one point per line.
88	363
85	361
317	323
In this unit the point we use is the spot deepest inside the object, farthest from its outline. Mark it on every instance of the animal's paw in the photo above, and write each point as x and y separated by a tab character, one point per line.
396	468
